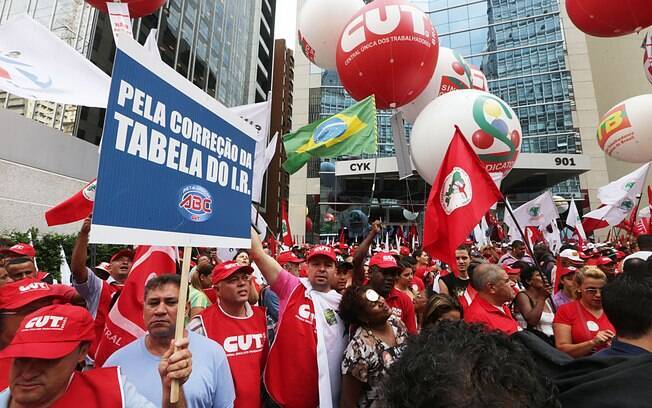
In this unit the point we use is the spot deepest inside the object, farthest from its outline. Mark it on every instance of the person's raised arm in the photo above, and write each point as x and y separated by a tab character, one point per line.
267	265
361	252
80	253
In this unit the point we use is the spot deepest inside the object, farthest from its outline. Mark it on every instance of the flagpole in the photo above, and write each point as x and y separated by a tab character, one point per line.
181	314
527	245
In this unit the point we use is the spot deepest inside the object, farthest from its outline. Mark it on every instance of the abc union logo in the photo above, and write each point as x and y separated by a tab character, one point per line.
196	203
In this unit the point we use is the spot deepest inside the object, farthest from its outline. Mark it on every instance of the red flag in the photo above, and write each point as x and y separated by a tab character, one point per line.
642	227
342	239
73	209
286	235
461	194
272	244
534	235
124	323
399	234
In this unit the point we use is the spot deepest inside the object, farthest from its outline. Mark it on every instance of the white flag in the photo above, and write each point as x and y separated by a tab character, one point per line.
64	269
553	238
151	43
537	213
644	212
258	114
480	232
36	64
260	168
573	220
625	189
605	216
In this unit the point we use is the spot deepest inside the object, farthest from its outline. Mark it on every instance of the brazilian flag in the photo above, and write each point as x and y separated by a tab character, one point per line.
351	132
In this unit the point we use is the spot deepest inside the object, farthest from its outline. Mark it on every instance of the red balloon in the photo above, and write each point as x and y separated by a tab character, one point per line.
482	139
137	8
389	48
610	18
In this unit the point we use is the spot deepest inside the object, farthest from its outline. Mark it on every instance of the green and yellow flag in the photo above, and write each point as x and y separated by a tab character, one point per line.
350	132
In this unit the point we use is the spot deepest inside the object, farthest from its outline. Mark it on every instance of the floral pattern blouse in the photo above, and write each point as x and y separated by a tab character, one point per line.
367	358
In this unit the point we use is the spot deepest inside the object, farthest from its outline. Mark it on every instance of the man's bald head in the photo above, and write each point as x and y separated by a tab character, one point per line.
485	273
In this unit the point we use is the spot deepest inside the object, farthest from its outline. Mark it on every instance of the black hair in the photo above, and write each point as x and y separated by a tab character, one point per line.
417	253
438	305
18	260
353	303
162	280
635	265
239	252
403	264
517	243
527	273
644	242
409	259
627	301
453	365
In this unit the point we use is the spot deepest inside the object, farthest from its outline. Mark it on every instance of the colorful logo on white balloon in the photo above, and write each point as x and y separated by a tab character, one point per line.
497	140
451	83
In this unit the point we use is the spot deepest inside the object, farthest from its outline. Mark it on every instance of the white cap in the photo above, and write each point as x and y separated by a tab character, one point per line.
571	254
642	255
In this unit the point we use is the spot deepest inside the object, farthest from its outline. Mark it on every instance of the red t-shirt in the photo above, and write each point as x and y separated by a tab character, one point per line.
403	308
485	313
584	326
421	270
5	366
417	284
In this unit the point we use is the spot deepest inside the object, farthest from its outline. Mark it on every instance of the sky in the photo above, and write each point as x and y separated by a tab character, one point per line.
286	21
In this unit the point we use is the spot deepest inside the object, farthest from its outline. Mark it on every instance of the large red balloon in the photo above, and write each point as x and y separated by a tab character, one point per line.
390	49
137	8
610	18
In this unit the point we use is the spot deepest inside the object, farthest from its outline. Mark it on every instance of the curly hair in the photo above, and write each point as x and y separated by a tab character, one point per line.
453	365
353	304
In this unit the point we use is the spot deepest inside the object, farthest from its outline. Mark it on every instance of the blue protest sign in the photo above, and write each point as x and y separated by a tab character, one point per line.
175	165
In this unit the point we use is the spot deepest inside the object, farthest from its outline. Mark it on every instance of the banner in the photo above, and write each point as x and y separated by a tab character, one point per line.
36	64
175	165
120	19
403	161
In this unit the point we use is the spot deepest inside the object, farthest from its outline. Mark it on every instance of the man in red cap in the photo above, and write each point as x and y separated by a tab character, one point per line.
290	262
98	293
19	262
303	367
495	289
238	327
48	346
17	300
606	265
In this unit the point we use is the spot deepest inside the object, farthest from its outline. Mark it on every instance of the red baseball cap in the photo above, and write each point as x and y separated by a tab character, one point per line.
405	251
511	271
51	332
226	269
20	249
604	260
568	270
123	252
383	260
288	256
15	295
323	250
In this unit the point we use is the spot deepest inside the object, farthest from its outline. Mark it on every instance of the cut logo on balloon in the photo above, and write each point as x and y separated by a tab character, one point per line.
306	48
493	118
614	122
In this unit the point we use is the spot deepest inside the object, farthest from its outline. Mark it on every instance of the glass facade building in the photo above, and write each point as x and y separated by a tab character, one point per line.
520	46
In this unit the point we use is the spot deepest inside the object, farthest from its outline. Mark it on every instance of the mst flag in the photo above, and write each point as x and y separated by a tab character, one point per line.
461	194
124	323
350	132
73	209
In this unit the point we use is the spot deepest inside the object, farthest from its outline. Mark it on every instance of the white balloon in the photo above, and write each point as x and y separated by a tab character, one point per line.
647	56
320	24
487	122
625	131
452	73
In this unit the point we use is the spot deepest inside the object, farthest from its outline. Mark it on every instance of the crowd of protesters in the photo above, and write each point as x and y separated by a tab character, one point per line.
339	326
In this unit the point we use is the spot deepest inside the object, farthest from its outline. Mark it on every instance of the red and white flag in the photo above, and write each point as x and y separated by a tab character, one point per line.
73	209
124	323
623	191
286	234
461	194
574	221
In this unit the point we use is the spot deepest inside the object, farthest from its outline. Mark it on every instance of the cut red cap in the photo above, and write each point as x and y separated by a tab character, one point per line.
511	271
225	269
51	332
20	249
383	260
322	250
123	252
17	294
405	251
104	266
288	256
620	255
568	270
604	260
